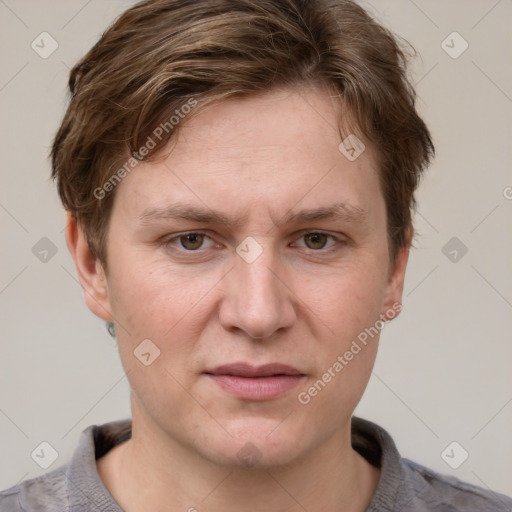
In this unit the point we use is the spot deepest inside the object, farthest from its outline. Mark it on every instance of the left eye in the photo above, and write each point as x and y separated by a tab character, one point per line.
318	241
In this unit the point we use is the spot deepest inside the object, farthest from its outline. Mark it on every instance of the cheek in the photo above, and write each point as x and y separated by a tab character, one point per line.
345	301
154	300
169	308
348	308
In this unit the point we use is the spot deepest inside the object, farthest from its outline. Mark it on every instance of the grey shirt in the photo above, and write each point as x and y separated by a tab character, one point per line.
403	485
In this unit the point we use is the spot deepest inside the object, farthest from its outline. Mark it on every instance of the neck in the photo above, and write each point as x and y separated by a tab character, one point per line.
153	473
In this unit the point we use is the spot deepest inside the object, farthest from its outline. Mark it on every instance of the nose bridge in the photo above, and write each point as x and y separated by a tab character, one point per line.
258	303
258	279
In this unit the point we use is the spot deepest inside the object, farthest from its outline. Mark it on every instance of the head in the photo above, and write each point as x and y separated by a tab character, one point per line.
239	178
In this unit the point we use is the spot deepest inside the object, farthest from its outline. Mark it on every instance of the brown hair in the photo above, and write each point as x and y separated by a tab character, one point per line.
161	55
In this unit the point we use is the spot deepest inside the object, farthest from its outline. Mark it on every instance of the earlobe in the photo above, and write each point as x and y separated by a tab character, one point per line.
90	270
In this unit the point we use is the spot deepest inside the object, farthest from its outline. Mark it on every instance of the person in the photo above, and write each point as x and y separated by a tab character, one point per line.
239	177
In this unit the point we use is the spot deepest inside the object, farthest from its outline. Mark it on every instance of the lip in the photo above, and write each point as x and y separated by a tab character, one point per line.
247	370
258	383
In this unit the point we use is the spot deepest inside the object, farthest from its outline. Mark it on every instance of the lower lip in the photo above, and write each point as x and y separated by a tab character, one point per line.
257	388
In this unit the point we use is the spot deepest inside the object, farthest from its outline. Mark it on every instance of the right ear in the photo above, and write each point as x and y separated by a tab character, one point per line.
90	270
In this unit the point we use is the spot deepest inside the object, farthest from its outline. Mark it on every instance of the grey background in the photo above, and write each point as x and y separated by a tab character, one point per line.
444	370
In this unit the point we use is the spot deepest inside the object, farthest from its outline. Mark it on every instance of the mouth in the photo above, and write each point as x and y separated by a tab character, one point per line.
256	383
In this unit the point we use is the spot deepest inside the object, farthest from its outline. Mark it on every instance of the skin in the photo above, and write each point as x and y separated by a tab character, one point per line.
301	302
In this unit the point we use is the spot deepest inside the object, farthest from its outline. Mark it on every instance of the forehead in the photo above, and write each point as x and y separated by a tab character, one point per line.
273	150
277	122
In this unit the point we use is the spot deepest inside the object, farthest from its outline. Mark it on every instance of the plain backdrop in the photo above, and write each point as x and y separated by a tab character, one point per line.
444	369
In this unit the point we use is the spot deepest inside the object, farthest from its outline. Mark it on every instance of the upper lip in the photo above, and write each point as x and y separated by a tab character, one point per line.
247	370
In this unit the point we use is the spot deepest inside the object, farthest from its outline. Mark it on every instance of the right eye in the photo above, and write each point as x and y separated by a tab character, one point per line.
188	242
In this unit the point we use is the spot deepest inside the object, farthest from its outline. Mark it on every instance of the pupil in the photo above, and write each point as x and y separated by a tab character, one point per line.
192	241
317	240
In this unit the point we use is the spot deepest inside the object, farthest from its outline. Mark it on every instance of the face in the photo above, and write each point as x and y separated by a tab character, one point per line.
253	259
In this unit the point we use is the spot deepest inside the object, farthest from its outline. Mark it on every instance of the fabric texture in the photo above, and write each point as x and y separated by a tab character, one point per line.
404	486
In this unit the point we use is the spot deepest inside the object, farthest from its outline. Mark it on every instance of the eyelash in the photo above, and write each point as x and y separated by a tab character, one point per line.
168	242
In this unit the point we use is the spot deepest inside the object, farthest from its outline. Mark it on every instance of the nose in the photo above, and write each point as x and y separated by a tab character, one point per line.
259	301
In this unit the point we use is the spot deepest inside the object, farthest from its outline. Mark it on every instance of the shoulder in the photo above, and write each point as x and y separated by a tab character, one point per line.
406	486
435	492
44	493
76	486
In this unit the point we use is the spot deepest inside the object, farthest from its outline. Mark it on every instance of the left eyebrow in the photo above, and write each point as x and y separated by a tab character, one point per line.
339	211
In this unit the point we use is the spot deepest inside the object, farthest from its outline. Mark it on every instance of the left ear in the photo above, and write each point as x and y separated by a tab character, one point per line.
395	285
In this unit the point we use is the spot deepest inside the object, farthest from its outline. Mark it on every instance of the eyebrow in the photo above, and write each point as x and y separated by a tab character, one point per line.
185	212
338	211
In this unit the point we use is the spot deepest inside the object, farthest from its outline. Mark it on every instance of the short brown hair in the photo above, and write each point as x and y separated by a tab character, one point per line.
161	53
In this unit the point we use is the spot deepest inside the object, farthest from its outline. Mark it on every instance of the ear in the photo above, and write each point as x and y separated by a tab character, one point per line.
395	285
90	270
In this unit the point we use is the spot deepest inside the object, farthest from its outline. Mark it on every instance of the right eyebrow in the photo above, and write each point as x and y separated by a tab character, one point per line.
189	213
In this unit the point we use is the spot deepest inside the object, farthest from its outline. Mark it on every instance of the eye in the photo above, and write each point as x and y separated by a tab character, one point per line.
318	240
190	241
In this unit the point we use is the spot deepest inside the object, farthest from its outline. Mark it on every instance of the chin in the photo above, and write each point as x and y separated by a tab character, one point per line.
250	456
255	445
